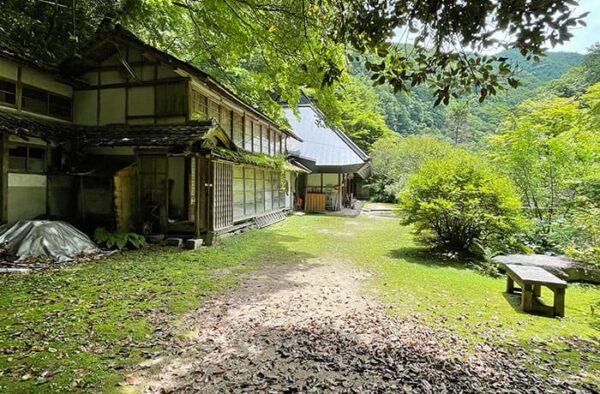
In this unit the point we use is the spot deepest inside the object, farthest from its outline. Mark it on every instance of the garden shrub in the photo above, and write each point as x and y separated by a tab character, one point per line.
461	200
118	239
395	159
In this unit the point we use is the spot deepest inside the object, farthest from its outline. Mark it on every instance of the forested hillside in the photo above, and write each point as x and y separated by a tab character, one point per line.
466	121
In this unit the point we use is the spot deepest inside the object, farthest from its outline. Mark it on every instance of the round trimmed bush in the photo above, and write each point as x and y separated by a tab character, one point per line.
460	199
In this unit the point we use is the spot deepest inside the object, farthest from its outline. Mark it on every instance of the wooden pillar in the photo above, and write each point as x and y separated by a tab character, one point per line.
4	178
199	200
559	302
510	285
537	290
527	297
204	198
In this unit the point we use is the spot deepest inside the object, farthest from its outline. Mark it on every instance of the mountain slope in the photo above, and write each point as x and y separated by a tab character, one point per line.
415	113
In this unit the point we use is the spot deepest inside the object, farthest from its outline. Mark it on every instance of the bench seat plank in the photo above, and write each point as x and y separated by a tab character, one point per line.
535	276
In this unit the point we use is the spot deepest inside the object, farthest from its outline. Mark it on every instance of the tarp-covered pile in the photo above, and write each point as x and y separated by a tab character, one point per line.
58	241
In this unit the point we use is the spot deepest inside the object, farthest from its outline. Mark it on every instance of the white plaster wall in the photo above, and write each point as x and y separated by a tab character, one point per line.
26	196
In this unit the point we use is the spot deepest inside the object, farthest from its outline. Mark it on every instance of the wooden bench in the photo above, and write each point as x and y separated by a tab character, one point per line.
531	279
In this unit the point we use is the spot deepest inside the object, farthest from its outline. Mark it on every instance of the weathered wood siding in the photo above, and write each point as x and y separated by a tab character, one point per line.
125	183
315	202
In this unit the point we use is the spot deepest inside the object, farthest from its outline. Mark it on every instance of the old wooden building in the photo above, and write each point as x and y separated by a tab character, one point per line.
336	168
130	137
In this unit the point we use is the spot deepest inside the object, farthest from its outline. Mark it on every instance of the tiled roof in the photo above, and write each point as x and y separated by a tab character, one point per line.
323	148
143	135
24	125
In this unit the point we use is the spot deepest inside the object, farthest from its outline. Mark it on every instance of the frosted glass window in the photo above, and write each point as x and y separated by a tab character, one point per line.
238	138
260	191
249	191
256	136
238	192
248	135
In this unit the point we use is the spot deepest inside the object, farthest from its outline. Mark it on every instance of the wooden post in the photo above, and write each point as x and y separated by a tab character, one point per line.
510	285
210	202
559	302
537	290
199	198
4	178
527	297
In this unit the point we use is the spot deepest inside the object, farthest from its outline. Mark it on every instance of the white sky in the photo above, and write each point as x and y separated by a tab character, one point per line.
584	36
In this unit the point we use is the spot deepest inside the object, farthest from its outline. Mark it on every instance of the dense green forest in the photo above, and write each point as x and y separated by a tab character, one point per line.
518	172
466	121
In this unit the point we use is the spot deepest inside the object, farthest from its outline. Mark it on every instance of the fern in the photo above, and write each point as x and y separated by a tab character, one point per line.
119	239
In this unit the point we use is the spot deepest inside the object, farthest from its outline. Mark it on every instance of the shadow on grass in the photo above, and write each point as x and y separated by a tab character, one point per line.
121	302
433	257
321	357
514	300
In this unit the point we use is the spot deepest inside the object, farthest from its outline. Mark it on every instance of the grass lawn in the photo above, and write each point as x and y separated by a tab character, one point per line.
82	326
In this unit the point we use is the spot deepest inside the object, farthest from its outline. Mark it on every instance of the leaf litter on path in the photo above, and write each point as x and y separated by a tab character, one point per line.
309	328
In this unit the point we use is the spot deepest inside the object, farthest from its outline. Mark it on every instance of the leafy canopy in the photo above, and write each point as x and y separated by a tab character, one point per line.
281	45
437	29
551	150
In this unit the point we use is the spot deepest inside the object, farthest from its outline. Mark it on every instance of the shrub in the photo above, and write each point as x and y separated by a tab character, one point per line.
118	239
461	200
396	159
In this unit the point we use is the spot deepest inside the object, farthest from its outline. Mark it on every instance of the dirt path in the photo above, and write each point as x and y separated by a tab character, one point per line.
310	328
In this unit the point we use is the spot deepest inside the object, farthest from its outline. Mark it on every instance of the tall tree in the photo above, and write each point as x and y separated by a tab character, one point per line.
283	45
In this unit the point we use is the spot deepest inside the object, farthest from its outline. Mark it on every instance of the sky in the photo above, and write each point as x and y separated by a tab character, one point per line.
584	36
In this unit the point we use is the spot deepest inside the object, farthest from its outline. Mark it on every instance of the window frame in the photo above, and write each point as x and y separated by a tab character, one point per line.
48	95
5	103
27	165
183	111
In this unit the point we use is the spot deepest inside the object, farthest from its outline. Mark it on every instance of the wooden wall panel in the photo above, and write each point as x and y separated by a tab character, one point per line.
315	202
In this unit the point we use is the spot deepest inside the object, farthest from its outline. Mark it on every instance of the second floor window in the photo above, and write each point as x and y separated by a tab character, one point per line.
46	103
171	99
8	92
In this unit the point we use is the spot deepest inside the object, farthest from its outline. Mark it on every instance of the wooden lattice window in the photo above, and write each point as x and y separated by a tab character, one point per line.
46	103
223	197
260	191
199	105
268	191
256	137
238	192
248	135
213	110
238	132
249	192
8	92
171	99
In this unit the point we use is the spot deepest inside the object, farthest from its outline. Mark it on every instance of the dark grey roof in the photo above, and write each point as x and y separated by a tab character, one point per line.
143	135
326	148
24	125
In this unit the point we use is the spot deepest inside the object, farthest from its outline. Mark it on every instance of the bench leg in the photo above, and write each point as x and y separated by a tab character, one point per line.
537	290
510	285
559	302
527	298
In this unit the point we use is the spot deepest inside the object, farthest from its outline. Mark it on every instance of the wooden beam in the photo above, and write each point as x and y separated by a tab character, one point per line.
164	81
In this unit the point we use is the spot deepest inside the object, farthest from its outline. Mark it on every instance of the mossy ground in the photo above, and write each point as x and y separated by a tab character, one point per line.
83	326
